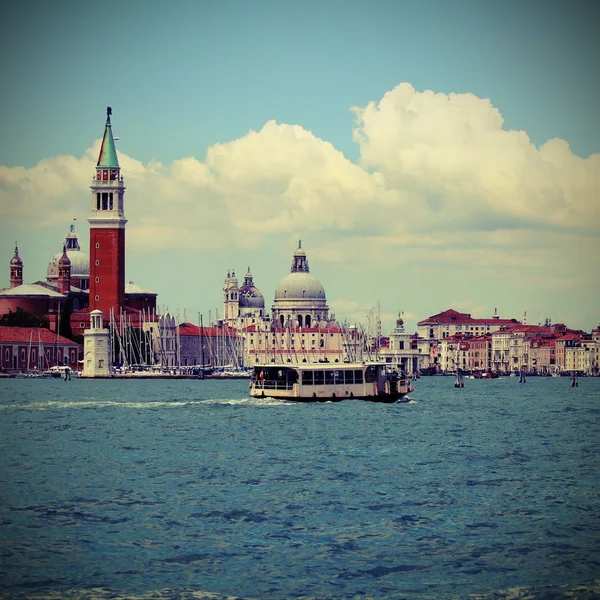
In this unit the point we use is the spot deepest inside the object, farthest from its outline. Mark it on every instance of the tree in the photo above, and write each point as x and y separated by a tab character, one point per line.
22	318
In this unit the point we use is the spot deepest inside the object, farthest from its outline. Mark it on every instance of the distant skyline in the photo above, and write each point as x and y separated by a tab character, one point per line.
430	155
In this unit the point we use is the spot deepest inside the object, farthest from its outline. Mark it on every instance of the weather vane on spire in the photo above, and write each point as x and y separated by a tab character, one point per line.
108	113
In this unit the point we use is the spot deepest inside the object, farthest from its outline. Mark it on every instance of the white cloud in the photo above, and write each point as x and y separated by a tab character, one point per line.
452	151
439	183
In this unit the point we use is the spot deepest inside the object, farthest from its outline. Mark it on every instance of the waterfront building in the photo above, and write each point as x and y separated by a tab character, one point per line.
480	353
210	346
296	344
404	352
542	355
451	322
30	349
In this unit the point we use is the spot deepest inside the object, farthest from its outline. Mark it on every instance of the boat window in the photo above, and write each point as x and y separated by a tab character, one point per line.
307	377
358	376
348	376
371	374
319	377
329	377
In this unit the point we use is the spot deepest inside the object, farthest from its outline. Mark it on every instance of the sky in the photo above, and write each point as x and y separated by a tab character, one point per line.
429	154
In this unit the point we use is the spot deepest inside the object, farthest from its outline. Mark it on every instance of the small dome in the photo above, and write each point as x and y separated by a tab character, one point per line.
16	259
252	299
250	296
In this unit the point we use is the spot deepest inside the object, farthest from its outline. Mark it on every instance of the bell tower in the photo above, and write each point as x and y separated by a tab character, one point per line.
107	229
16	269
64	273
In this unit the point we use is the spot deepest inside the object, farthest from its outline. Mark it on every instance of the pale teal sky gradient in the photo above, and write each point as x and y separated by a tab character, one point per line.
184	76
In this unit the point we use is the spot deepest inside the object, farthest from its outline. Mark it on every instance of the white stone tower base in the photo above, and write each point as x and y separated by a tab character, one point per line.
96	348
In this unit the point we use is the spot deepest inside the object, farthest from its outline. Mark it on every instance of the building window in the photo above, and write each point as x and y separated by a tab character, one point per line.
96	297
98	197
97	263
110	201
97	245
97	280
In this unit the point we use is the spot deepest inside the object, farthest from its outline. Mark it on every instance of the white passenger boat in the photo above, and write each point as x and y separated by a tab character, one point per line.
320	382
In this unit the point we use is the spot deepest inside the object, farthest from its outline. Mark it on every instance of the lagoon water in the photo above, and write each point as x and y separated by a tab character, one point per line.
181	489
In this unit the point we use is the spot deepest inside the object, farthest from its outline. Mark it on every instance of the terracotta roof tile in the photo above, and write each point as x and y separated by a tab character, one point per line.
24	335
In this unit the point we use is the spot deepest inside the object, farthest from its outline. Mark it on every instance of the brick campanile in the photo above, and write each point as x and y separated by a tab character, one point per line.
107	229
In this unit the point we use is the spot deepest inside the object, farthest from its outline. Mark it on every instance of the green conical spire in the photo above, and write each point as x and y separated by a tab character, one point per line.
108	152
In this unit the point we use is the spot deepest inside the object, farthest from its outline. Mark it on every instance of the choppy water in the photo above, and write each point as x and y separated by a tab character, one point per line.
186	489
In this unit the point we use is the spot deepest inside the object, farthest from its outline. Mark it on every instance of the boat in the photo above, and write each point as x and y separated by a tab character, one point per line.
324	381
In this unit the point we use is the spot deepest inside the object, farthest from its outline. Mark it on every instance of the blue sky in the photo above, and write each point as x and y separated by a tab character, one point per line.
192	79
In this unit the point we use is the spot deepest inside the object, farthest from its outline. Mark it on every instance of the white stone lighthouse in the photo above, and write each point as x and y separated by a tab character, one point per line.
96	348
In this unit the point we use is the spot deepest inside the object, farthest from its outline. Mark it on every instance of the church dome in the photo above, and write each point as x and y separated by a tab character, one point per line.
80	265
80	261
300	284
250	296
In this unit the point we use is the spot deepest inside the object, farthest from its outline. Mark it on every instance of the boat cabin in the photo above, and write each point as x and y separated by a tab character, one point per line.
326	381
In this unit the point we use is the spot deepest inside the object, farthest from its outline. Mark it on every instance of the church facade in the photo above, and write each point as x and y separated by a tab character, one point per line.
76	282
298	328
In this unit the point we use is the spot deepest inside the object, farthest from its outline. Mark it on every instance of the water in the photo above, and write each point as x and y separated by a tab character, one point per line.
182	489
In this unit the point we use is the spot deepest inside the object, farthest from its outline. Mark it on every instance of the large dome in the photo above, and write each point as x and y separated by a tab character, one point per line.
80	261
80	265
300	285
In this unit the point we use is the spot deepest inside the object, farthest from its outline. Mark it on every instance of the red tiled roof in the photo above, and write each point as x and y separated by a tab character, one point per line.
452	316
191	330
35	335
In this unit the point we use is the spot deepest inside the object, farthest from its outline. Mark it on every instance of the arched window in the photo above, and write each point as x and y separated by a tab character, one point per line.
299	320
281	320
307	321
